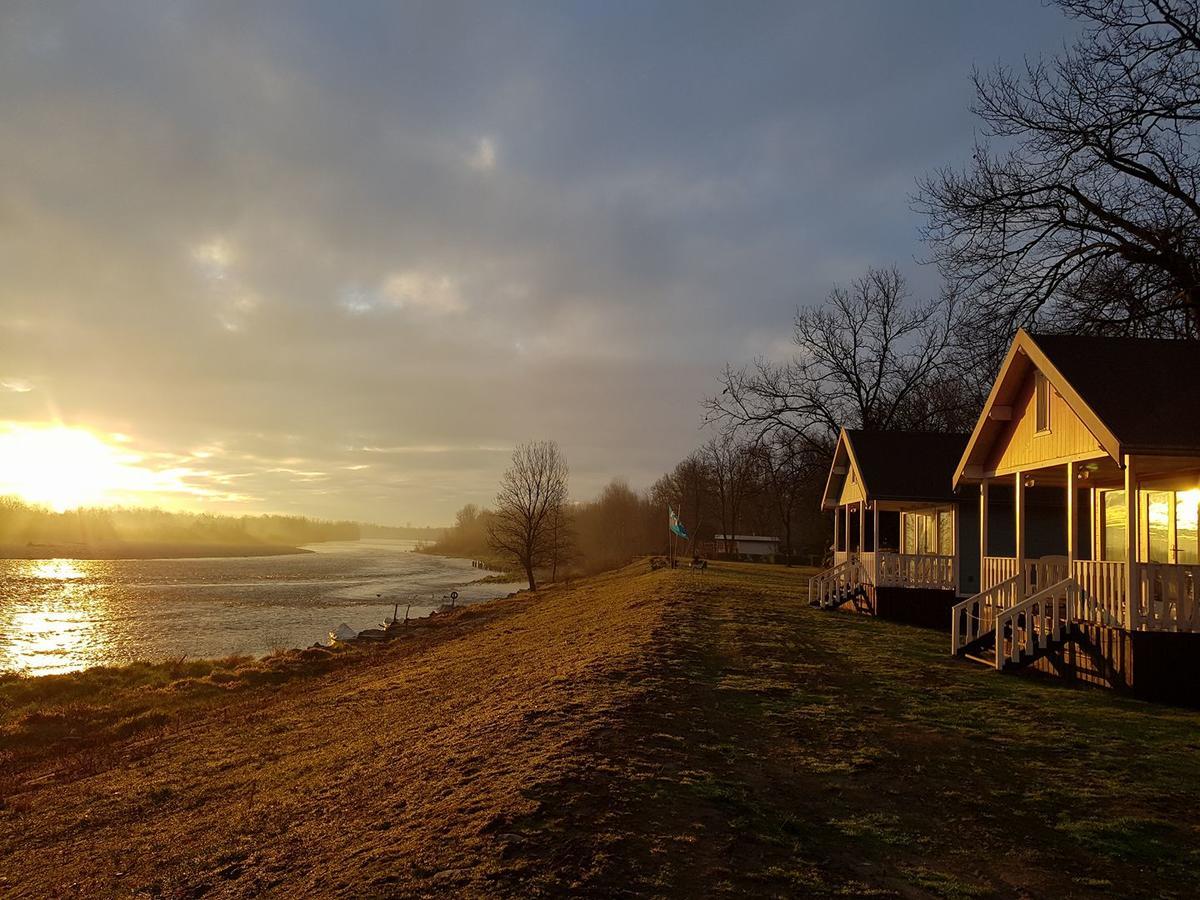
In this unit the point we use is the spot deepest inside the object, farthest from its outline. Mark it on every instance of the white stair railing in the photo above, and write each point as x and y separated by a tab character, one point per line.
845	576
1038	621
822	587
976	616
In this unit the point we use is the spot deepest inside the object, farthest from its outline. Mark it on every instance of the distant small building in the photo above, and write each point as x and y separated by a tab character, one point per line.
746	544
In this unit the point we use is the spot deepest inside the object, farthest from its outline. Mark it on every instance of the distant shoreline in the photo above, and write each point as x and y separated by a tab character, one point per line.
113	550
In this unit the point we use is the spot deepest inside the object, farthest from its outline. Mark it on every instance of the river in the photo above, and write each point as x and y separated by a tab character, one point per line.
61	615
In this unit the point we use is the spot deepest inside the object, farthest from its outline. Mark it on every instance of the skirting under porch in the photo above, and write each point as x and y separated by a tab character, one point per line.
1151	665
926	607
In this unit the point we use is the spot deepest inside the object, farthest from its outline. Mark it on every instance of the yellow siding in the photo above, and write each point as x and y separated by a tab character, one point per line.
1019	447
851	488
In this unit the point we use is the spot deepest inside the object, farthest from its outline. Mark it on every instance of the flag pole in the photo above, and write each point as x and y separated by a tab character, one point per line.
670	540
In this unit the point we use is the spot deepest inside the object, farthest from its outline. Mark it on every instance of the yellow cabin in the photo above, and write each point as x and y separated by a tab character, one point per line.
898	527
1087	460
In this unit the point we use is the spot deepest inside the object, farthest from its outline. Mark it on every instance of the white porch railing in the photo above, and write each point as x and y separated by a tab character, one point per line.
1043	572
1168	598
997	569
976	616
917	571
1103	583
1036	622
844	576
867	561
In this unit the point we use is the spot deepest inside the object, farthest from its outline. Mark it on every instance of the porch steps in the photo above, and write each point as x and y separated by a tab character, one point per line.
984	651
988	660
859	596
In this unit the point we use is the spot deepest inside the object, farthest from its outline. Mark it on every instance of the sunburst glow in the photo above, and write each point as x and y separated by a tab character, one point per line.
64	468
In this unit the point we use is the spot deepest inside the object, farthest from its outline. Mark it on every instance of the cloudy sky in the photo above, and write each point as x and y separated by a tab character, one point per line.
337	258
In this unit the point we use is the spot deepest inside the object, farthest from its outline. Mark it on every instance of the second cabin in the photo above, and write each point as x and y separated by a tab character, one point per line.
899	526
1088	456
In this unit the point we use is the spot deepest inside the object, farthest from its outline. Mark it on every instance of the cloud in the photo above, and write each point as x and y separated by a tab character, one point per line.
296	233
483	159
424	291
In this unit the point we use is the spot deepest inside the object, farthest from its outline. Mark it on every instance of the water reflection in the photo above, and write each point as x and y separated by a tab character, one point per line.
61	615
49	614
55	569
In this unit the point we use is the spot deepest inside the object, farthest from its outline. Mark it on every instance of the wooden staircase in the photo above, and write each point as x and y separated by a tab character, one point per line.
997	629
847	582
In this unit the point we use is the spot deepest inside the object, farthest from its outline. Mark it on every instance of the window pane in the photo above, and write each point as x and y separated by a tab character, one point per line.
1114	525
1158	526
910	533
945	533
1187	532
1042	401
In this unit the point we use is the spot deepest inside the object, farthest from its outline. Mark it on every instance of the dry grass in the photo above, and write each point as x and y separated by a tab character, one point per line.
662	734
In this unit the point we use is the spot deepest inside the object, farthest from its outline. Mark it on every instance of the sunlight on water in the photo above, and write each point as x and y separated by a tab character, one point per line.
56	569
61	615
50	624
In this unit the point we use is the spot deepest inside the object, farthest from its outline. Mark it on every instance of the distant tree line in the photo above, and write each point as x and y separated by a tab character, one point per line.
727	486
23	523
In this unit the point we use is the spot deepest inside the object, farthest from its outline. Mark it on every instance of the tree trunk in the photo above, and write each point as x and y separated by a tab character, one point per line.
530	576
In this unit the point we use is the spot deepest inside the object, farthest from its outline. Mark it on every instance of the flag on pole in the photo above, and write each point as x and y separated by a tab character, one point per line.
675	525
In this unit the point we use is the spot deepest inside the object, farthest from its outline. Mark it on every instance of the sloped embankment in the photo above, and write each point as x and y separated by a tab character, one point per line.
648	734
391	773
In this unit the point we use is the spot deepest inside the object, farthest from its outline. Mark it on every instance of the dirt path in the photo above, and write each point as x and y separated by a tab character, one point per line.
641	734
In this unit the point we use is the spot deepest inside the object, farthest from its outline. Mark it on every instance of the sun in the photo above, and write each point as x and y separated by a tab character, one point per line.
63	467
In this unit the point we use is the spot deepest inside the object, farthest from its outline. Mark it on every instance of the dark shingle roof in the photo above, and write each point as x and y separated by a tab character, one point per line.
1147	391
907	465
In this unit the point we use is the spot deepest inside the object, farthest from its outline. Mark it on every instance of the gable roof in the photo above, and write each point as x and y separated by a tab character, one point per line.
1146	391
898	465
1135	395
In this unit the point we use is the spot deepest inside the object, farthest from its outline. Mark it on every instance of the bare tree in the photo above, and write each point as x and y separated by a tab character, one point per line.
788	475
863	360
689	490
532	493
731	466
1088	219
562	539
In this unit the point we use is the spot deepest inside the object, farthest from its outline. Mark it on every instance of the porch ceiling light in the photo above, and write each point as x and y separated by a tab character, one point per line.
1030	482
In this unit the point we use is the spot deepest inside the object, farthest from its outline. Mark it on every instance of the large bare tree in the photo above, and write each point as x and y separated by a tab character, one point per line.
868	358
788	474
1079	209
732	467
533	492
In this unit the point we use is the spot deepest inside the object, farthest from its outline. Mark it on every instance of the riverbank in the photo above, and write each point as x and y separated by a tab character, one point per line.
639	733
115	550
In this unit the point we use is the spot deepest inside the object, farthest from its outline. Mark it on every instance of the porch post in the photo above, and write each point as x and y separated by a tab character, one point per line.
1072	524
875	540
862	527
1133	604
1019	509
983	532
846	531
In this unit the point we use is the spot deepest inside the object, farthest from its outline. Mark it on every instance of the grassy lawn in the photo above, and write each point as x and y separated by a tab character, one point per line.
635	734
780	750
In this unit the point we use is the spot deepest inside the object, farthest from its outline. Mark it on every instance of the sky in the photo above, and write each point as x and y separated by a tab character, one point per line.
339	258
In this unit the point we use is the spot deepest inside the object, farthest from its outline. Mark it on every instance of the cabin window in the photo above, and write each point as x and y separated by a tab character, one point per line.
1041	402
1114	525
1158	526
946	533
1187	527
929	533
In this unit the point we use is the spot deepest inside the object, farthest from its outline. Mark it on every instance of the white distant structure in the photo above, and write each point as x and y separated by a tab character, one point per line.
747	544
